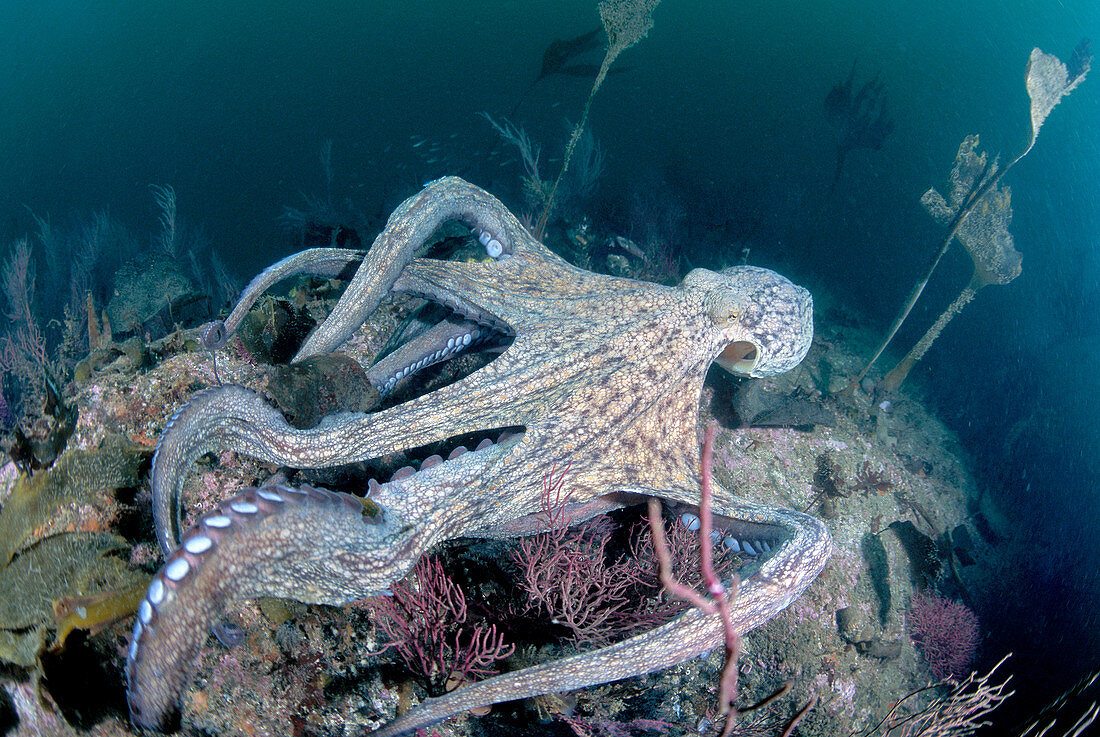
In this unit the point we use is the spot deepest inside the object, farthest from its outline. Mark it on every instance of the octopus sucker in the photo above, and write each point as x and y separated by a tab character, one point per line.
225	557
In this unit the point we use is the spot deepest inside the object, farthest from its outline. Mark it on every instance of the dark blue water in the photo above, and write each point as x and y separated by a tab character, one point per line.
721	108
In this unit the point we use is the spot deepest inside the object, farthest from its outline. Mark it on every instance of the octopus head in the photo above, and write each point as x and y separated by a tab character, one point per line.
764	321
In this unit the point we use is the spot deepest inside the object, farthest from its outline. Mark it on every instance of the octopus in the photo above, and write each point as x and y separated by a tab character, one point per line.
602	376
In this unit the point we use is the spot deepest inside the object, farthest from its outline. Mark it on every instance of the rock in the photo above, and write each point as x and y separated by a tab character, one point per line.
962	545
879	649
924	555
273	330
758	406
321	385
848	623
878	567
152	295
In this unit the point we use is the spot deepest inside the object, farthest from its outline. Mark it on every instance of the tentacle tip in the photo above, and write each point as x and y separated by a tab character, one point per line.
214	336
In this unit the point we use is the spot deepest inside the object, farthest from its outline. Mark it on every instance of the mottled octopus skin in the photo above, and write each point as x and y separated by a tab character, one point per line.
604	374
229	554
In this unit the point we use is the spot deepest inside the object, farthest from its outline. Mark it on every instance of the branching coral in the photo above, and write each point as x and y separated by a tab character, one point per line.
566	574
962	711
425	621
946	631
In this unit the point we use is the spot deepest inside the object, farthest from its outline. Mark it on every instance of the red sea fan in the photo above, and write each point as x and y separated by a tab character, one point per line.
946	631
425	621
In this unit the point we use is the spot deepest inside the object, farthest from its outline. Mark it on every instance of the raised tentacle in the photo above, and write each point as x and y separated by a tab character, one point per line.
307	544
331	263
408	227
449	198
779	581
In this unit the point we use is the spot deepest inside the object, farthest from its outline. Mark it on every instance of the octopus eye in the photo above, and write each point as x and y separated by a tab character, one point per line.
732	318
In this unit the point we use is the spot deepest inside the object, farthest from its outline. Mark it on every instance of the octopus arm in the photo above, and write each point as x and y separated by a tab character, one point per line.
331	263
439	343
236	418
307	544
780	580
410	225
210	421
373	273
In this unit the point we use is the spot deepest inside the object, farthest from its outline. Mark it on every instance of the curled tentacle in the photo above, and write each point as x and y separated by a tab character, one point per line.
332	263
440	343
210	421
408	227
234	418
449	198
308	544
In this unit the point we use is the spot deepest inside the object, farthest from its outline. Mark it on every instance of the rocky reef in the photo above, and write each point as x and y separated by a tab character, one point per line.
887	476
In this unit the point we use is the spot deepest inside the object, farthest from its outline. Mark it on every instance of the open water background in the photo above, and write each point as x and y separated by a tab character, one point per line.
720	109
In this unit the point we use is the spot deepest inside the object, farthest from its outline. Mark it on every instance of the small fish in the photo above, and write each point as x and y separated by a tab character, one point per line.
420	143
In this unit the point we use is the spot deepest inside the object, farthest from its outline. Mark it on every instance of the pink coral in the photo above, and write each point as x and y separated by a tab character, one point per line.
946	632
425	621
564	572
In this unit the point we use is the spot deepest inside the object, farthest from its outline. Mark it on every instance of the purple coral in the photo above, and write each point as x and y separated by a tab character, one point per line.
946	631
564	572
425	621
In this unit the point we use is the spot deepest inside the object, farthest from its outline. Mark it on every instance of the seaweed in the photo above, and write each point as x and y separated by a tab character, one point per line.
626	22
75	494
56	546
979	212
57	567
860	118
